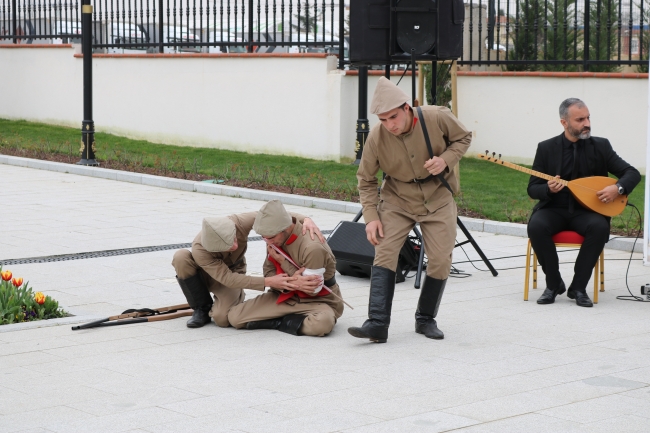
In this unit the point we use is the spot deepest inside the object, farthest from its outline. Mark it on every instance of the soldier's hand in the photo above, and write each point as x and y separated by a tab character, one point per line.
307	283
435	165
371	231
280	281
555	186
274	254
309	224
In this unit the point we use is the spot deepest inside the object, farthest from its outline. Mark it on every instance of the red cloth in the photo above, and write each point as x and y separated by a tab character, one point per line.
278	270
568	237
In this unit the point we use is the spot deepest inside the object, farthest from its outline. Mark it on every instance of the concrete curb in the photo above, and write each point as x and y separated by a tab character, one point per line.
473	224
48	323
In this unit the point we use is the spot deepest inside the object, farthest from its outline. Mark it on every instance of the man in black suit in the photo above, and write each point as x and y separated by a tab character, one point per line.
572	155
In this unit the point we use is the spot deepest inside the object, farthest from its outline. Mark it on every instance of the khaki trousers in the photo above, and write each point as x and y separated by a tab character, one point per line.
438	232
319	322
224	297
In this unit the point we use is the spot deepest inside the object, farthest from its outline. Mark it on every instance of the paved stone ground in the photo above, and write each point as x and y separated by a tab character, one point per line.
505	365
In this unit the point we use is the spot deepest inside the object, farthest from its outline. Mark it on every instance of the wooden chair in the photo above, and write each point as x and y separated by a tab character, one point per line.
567	239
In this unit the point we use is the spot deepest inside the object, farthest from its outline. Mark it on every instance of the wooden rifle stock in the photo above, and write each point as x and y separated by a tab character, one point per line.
139	316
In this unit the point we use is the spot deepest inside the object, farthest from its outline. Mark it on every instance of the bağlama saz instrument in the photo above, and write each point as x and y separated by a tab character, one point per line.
583	190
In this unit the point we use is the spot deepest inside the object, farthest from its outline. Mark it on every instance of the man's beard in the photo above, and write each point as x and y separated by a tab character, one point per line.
582	135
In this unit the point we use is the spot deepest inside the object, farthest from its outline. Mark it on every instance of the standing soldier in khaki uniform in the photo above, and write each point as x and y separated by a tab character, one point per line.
303	310
217	265
410	194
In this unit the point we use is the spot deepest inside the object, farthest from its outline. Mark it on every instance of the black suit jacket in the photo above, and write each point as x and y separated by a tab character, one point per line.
601	160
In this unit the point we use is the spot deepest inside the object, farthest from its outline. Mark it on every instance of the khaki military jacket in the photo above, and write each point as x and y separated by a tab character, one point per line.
310	254
402	158
229	267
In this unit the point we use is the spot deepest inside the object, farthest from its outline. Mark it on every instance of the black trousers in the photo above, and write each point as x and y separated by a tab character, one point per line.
549	221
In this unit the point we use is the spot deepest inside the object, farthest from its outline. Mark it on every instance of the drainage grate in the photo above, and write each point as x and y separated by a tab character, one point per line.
109	253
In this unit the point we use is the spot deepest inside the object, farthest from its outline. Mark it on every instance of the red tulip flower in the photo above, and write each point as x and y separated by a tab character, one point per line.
6	275
39	297
17	281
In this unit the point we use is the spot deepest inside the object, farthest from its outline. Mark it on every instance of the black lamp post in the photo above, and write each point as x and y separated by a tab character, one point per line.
87	125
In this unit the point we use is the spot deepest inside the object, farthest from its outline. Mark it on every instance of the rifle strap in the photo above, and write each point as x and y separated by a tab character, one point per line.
440	177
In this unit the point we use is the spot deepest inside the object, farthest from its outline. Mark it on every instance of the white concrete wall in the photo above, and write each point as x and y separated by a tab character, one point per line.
41	84
511	114
290	105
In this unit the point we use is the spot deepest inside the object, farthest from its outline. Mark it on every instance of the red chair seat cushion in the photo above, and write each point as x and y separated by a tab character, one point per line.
568	237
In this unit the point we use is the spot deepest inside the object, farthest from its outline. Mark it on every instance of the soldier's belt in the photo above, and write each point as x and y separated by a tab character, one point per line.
425	180
330	282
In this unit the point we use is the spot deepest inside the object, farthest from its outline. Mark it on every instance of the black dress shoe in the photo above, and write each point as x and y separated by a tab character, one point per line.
582	299
548	297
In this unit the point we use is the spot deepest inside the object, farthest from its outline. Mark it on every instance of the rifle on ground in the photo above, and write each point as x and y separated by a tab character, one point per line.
140	316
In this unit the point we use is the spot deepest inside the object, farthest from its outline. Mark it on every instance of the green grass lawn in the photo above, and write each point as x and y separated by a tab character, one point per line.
496	193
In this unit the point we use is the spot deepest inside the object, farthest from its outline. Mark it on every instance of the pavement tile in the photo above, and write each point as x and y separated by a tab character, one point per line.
529	423
48	396
231	420
597	409
503	407
35	430
45	418
122	421
429	422
640	393
207	424
224	400
133	399
629	423
336	420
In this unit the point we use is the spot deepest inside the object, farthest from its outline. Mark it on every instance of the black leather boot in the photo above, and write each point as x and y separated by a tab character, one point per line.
265	324
428	305
582	299
549	295
199	298
290	323
382	289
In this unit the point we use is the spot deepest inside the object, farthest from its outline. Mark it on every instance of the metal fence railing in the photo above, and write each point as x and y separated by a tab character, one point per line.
165	26
569	35
596	35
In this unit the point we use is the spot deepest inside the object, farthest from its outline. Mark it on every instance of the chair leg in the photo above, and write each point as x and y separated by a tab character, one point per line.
596	278
534	270
602	271
527	272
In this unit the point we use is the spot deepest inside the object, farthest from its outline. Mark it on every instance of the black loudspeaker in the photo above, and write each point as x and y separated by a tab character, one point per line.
451	15
354	254
385	31
369	32
415	27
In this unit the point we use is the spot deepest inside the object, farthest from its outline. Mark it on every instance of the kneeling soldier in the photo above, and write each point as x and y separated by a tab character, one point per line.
217	265
303	310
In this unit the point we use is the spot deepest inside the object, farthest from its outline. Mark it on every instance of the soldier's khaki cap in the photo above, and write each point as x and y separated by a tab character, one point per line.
271	219
387	96
218	234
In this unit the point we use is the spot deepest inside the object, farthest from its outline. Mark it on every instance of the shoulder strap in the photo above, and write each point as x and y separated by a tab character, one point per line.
440	177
